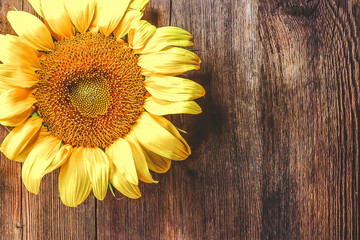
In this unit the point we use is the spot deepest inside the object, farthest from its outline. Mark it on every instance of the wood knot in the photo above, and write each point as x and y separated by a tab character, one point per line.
298	7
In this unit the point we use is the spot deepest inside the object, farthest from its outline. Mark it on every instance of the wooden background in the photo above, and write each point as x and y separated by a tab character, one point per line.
275	152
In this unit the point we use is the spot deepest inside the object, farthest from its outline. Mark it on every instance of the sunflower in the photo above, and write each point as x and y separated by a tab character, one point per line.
86	90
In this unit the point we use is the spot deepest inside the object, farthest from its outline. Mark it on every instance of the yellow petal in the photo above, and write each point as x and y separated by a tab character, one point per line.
16	106
15	51
162	107
156	162
81	13
119	181
31	30
93	29
55	35
168	36
121	156
97	167
74	183
94	24
111	14
36	4
173	88
126	22
17	75
170	61
17	119
40	157
4	87
138	5
159	136
141	165
21	137
57	18
61	157
25	153
139	35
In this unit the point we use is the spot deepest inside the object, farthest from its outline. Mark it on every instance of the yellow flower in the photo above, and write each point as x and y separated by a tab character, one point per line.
85	90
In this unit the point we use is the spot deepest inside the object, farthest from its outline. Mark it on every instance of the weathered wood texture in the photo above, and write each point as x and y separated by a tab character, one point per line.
275	153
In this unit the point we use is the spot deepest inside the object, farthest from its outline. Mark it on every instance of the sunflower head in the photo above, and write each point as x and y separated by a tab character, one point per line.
86	88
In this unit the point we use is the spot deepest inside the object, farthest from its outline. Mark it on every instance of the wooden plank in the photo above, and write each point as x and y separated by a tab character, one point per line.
308	105
279	106
216	193
125	218
10	172
45	217
200	198
10	196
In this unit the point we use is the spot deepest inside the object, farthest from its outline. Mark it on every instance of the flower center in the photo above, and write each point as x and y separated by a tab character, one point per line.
91	96
90	90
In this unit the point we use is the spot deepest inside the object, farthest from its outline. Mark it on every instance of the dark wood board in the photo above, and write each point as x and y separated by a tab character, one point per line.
275	151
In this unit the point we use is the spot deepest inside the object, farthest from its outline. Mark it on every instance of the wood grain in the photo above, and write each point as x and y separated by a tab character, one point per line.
275	152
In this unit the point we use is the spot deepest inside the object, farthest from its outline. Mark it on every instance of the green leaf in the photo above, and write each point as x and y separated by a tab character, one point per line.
35	114
7	128
180	130
112	190
113	193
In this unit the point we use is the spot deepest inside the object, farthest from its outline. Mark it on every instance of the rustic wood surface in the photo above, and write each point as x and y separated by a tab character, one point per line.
275	152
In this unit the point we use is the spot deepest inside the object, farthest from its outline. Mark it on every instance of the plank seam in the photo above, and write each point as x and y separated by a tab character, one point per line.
170	12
